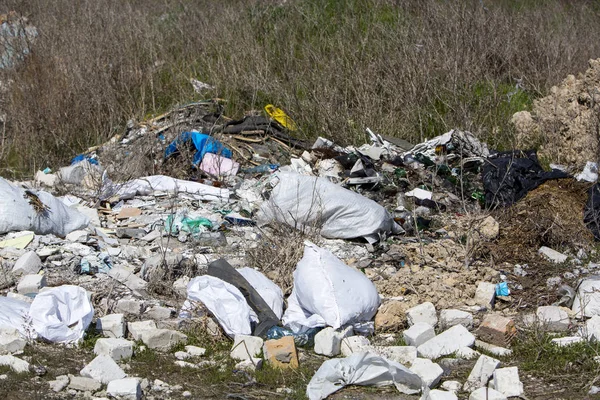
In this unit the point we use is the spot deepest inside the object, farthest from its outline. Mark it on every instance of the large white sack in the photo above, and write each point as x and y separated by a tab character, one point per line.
161	183
14	314
224	301
62	314
364	369
308	202
17	214
269	291
328	292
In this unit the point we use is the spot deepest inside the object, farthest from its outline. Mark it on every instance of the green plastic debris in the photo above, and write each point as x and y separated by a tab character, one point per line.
400	172
182	223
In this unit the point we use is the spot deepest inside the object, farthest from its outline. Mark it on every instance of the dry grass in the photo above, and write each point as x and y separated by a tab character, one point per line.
405	68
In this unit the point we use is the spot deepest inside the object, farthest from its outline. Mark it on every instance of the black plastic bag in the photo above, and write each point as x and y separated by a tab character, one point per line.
591	213
509	176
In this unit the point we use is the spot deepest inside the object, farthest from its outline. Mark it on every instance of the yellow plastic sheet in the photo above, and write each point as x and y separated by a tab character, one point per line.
281	117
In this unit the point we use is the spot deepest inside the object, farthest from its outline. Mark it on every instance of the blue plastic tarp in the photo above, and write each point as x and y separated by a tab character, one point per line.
203	144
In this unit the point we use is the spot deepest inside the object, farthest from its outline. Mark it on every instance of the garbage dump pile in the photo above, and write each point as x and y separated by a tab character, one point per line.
171	224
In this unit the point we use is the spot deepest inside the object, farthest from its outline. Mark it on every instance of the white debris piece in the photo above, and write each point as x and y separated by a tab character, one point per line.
246	347
424	312
328	342
567	341
553	318
481	373
111	325
125	389
436	394
354	344
11	341
29	263
507	382
418	334
587	299
117	349
486	394
136	328
552	255
449	318
14	363
485	294
430	372
103	369
446	343
420	194
31	284
162	339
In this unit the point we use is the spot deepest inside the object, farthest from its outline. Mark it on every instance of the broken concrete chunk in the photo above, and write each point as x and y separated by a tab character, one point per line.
328	342
78	236
11	341
16	364
424	312
428	371
493	349
31	284
553	318
485	294
117	349
400	354
103	369
486	394
449	318
111	325
249	365
162	339
60	383
587	299
130	306
246	347
447	342
158	313
354	344
418	334
507	382
592	329
28	264
281	353
84	384
136	328
552	255
481	373
436	394
567	341
125	389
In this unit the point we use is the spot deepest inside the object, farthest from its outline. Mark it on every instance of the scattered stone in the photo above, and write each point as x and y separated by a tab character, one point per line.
485	294
103	369
587	299
489	228
78	236
59	383
553	318
14	363
354	344
128	212
400	354
138	327
11	341
19	296
418	334
493	349
481	373
447	342
552	255
117	349
467	353
451	386
31	284
246	347
180	286
249	365
28	264
195	351
162	339
328	341
486	394
496	329
125	276
281	353
567	341
592	329
449	318
430	372
125	389
507	382
436	394
84	384
111	325
186	394
185	364
424	312
158	313
594	390
391	316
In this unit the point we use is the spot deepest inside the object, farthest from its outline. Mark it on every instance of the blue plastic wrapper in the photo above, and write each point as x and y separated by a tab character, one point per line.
304	339
502	289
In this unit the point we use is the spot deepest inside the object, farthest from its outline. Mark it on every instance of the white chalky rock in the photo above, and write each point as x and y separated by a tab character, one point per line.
418	334
481	373
138	327
162	339
328	342
449	318
439	395
14	363
195	351
28	264
553	318
485	294
567	341
428	371
447	342
115	348
400	354
111	325
552	255
103	369
424	312
125	389
31	284
250	365
246	347
507	382
354	344
486	394
11	341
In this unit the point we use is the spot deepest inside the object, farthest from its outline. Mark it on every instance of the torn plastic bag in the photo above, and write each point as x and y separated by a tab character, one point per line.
455	144
363	369
327	292
269	291
37	211
591	212
62	314
509	176
224	301
161	183
306	202
203	144
14	314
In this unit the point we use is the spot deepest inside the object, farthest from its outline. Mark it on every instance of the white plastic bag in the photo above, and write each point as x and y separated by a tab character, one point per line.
364	369
328	292
14	314
224	301
161	183
309	202
62	314
269	291
18	214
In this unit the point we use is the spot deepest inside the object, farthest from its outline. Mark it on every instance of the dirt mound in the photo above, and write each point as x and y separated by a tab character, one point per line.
551	215
565	124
